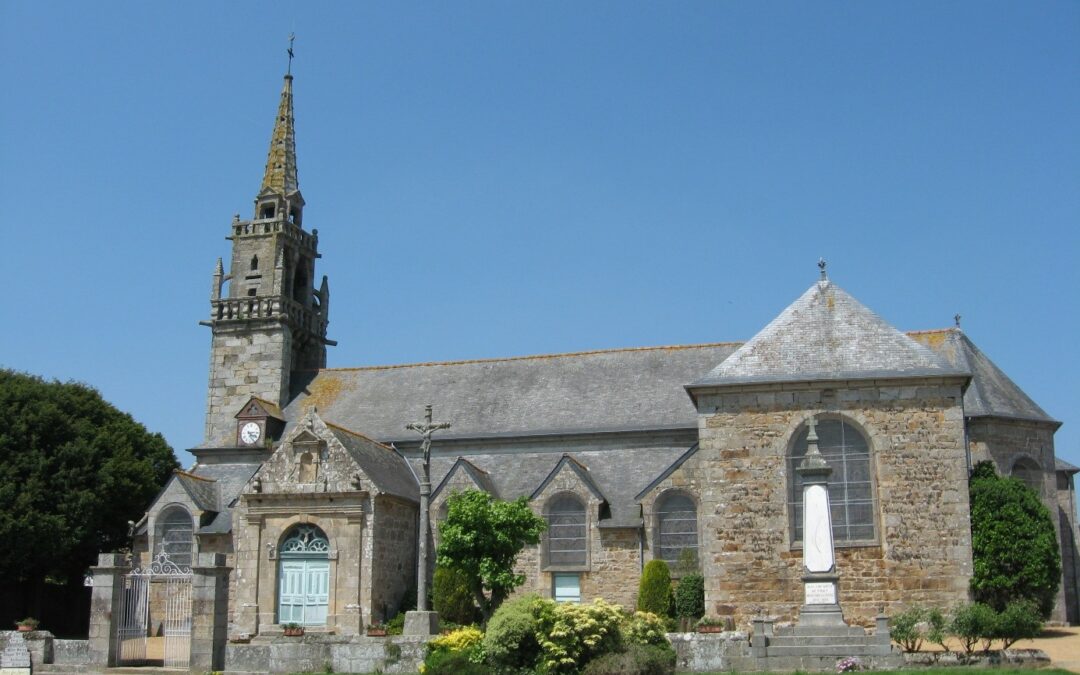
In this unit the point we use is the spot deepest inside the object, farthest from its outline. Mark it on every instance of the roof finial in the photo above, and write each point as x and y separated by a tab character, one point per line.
956	318
821	266
292	36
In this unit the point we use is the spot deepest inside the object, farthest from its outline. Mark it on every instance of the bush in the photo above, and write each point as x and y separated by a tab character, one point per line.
636	660
1019	621
1014	547
459	652
511	639
654	590
973	622
690	598
396	626
906	628
643	628
452	598
572	635
937	627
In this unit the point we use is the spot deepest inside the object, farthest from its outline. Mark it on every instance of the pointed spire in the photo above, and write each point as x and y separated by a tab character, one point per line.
280	175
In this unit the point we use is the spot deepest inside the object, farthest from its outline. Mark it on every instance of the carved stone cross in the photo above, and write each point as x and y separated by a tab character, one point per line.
425	429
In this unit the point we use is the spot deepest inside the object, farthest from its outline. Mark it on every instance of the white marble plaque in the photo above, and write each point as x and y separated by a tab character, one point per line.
821	593
817	529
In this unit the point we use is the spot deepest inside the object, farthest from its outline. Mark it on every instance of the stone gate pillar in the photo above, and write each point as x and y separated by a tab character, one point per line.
209	612
105	607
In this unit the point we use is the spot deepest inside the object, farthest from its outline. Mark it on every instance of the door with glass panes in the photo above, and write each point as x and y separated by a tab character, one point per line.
304	577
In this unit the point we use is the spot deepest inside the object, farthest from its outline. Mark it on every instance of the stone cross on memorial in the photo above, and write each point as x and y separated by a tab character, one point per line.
423	622
820	603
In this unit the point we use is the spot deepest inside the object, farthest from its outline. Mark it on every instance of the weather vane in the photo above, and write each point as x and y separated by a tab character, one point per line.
292	36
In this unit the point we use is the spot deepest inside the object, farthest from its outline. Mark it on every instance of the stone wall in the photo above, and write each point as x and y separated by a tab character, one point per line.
919	467
393	559
245	361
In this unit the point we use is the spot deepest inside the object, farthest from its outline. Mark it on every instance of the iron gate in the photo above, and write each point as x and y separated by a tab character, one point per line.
154	625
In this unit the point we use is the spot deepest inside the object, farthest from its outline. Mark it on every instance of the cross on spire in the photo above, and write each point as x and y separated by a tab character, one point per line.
292	36
821	266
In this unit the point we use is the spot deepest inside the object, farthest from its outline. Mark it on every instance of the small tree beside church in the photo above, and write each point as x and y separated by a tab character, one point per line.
1014	547
481	538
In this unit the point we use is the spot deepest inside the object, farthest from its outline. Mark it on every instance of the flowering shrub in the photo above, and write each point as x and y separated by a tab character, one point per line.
849	665
574	634
644	628
455	652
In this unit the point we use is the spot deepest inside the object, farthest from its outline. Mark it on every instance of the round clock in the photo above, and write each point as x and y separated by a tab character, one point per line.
250	432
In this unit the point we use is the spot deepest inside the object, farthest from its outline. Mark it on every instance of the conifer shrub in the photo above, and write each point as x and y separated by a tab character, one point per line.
452	598
690	598
654	589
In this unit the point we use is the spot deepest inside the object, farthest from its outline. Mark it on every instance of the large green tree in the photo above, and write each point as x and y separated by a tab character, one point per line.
482	537
73	471
1014	548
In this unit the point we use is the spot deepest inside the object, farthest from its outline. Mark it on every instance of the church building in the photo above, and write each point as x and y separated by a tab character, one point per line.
305	495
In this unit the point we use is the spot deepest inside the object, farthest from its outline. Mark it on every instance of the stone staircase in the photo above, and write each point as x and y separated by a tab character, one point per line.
818	648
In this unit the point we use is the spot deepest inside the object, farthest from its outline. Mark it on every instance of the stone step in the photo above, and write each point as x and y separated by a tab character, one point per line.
820	631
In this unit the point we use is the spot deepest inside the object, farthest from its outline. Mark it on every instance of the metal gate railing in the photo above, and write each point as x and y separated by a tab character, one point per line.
158	596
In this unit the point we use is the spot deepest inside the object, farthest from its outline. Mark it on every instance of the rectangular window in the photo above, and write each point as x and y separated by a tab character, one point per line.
567	587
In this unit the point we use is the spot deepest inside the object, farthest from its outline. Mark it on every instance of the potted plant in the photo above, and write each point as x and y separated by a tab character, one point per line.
293	629
376	630
711	624
26	625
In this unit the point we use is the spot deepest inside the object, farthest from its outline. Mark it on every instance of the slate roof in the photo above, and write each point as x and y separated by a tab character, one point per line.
616	390
827	335
387	469
619	475
229	480
991	392
480	477
203	491
1062	465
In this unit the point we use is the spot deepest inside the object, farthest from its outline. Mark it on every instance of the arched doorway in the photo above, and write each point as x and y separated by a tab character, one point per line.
304	577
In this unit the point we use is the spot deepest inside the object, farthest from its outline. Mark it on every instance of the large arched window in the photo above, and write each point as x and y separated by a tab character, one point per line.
1029	472
304	576
566	538
175	535
851	492
676	528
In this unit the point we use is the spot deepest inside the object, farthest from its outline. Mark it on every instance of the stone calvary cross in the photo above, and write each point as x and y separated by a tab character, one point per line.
422	622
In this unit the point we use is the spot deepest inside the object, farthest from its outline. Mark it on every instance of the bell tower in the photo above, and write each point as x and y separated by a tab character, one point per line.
267	317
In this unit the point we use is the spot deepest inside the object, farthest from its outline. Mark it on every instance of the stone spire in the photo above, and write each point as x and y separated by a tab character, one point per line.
280	176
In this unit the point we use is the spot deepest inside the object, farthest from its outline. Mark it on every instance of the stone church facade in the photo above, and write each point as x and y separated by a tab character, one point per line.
304	495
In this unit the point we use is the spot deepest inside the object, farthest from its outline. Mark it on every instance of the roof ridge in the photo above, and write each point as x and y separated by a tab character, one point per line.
529	357
950	329
181	472
358	435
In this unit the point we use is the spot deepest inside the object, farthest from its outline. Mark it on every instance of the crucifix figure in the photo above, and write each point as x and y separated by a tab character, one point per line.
425	429
291	38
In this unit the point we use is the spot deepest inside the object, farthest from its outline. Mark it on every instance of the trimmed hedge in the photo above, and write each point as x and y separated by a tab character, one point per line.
654	590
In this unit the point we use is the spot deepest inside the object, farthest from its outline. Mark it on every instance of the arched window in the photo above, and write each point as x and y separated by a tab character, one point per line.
1029	472
175	535
676	528
254	263
851	492
566	540
304	576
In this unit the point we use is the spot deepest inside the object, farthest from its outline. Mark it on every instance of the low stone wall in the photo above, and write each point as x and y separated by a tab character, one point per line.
71	651
314	652
710	652
1025	658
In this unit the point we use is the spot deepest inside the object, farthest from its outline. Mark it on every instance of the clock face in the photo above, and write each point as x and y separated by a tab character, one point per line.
250	432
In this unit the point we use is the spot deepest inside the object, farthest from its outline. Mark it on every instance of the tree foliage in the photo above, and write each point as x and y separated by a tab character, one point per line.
690	597
73	471
451	596
654	589
482	537
1014	547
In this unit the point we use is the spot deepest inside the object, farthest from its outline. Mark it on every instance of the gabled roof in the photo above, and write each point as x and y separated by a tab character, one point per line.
256	406
230	480
478	476
667	472
382	465
1065	467
577	467
827	335
991	393
203	490
616	390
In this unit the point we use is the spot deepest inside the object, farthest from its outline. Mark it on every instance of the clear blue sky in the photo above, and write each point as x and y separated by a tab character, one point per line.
497	179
